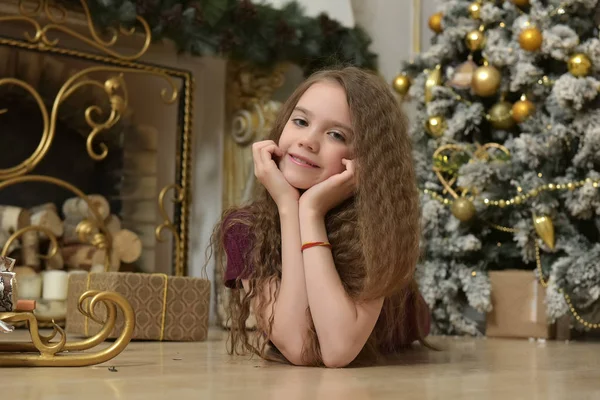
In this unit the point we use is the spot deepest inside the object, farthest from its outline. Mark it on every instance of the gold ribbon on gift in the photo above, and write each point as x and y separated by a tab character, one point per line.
163	312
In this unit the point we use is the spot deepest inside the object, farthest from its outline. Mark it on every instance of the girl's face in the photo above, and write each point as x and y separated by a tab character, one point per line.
317	136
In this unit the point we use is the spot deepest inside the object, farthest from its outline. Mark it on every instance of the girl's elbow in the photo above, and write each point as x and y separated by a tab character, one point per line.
292	350
339	357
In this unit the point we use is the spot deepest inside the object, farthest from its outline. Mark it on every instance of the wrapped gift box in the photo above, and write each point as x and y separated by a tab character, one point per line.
166	307
519	309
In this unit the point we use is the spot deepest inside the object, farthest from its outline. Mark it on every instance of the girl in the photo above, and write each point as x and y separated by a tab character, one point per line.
325	256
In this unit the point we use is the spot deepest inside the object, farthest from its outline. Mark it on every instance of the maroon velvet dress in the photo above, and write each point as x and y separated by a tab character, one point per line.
237	242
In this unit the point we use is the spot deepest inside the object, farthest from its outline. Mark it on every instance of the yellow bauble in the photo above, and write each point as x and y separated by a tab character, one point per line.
522	110
486	81
545	229
520	3
475	10
435	22
499	116
402	84
463	209
435	126
580	65
475	40
531	39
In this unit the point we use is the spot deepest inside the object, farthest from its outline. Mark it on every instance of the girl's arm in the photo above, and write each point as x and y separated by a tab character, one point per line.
290	322
288	309
343	326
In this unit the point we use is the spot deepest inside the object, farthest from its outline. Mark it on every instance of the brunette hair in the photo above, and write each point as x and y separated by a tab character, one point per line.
374	235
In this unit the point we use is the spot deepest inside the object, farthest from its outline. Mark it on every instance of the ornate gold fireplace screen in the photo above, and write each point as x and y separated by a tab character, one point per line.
46	22
118	65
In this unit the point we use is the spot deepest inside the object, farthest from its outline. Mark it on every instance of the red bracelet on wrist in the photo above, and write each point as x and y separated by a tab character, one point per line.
315	244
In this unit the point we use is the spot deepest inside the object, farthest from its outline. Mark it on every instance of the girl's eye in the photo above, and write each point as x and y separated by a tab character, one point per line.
337	136
300	122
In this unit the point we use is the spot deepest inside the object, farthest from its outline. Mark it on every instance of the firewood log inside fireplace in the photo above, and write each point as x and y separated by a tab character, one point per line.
11	220
77	208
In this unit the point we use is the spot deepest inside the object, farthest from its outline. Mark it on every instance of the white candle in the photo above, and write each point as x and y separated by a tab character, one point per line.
30	286
55	285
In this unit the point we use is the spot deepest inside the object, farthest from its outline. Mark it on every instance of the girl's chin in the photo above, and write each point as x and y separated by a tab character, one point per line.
300	184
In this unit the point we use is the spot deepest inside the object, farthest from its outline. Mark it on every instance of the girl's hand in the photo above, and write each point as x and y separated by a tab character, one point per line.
267	172
324	196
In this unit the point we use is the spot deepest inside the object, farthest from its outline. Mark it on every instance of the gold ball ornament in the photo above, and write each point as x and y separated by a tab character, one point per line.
486	81
463	209
580	65
531	39
499	116
435	22
402	84
436	126
545	229
475	10
522	110
520	3
475	40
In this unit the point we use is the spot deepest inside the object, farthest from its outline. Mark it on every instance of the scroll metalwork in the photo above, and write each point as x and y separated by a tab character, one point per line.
57	15
118	105
168	224
42	352
53	241
49	20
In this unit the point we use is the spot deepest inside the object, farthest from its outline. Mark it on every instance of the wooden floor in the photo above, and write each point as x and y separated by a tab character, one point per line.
466	369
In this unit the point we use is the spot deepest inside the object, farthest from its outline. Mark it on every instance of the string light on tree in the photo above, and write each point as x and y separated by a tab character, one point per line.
580	65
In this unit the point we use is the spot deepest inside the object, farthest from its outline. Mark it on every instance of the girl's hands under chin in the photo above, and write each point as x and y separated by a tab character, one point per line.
324	196
267	172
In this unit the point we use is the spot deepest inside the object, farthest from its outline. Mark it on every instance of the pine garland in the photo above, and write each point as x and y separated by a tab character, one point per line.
244	31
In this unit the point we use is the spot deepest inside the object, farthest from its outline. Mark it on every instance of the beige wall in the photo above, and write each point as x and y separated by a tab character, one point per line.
389	23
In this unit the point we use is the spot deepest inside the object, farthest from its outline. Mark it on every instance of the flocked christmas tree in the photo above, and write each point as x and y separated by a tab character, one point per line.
507	149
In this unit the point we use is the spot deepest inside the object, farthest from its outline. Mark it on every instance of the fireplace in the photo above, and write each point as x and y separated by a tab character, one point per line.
106	133
157	136
123	183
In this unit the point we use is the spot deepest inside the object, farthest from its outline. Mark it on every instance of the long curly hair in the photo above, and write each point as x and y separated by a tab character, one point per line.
374	235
